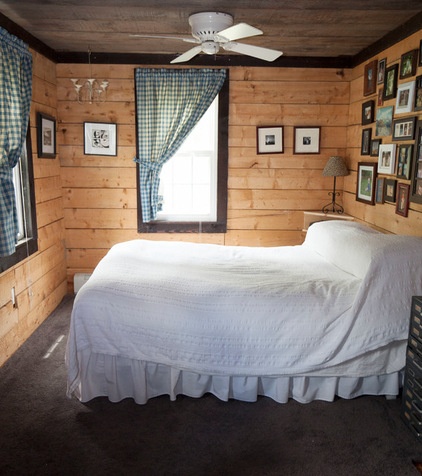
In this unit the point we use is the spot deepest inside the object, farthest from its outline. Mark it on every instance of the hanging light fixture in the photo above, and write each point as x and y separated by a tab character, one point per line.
90	90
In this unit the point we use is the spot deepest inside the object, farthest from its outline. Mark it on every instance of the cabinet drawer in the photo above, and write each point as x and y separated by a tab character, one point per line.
414	354
417	307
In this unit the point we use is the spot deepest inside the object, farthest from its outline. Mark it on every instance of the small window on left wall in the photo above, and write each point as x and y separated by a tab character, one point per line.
23	179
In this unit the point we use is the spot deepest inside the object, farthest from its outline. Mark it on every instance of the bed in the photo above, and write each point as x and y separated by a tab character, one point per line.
325	319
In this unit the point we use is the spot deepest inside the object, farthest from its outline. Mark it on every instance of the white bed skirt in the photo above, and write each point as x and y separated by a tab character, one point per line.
118	378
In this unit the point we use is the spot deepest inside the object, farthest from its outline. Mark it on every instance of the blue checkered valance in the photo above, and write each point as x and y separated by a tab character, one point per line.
169	103
15	102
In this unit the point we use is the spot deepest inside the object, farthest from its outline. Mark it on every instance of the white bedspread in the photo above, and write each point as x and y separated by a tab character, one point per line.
251	311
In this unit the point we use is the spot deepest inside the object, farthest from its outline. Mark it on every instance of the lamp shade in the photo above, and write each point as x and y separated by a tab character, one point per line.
335	167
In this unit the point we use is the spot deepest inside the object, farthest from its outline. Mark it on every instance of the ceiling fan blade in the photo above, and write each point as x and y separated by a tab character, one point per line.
187	40
255	51
188	55
241	30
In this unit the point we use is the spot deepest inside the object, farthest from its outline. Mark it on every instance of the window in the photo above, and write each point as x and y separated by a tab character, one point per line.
25	203
193	183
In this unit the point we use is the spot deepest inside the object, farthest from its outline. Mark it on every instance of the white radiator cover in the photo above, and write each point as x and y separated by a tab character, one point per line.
79	280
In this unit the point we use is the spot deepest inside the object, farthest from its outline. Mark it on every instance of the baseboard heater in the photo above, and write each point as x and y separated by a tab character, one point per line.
79	280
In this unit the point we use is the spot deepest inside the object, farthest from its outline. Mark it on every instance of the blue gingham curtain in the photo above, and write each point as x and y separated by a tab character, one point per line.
15	102
169	104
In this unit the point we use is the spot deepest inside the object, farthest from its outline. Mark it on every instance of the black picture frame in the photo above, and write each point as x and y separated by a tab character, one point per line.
100	138
368	109
416	172
402	202
408	64
404	129
269	140
418	94
404	161
46	136
380	190
365	184
375	145
307	140
390	82
390	190
365	148
381	70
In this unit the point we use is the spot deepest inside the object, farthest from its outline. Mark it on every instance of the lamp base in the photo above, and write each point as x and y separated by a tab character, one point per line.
333	207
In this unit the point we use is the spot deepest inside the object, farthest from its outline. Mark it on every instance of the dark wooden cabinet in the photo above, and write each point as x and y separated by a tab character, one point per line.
412	389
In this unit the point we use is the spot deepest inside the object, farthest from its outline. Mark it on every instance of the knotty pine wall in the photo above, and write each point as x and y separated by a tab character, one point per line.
39	281
267	193
381	215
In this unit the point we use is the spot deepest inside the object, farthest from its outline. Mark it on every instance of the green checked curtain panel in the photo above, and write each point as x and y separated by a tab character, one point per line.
169	103
15	102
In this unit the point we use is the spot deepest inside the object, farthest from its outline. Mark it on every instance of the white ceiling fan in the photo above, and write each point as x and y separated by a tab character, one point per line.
215	30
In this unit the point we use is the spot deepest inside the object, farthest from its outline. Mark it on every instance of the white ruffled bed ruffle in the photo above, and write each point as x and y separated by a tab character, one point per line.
118	378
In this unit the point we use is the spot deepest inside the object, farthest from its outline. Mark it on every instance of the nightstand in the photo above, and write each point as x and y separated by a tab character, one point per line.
313	217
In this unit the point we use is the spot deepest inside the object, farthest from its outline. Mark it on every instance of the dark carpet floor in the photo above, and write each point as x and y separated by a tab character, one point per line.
44	433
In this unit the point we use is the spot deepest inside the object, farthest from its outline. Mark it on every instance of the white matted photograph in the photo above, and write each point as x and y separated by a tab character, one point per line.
269	140
306	140
100	138
387	159
405	97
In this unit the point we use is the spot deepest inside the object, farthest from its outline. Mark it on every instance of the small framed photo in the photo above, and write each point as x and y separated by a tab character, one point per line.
366	142
408	64
307	140
387	159
402	204
418	94
404	161
380	190
380	99
405	97
100	138
416	170
269	140
404	129
384	121
390	190
381	70
365	187
390	82
46	136
420	53
370	78
368	112
375	145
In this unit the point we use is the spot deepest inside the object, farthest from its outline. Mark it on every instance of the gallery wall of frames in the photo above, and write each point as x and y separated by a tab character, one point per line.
385	139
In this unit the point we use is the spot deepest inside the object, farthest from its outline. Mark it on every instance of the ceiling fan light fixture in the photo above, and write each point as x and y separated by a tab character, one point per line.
210	47
205	25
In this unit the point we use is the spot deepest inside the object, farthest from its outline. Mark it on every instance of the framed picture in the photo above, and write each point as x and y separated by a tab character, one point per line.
366	142
380	190
390	190
370	78
380	100
375	144
307	140
405	97
381	70
100	138
384	121
269	140
46	136
420	53
368	112
404	129
402	204
404	161
390	82
408	64
387	159
418	94
365	187
416	170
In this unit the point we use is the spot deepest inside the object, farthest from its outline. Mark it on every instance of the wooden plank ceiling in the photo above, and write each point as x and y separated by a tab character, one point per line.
299	28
